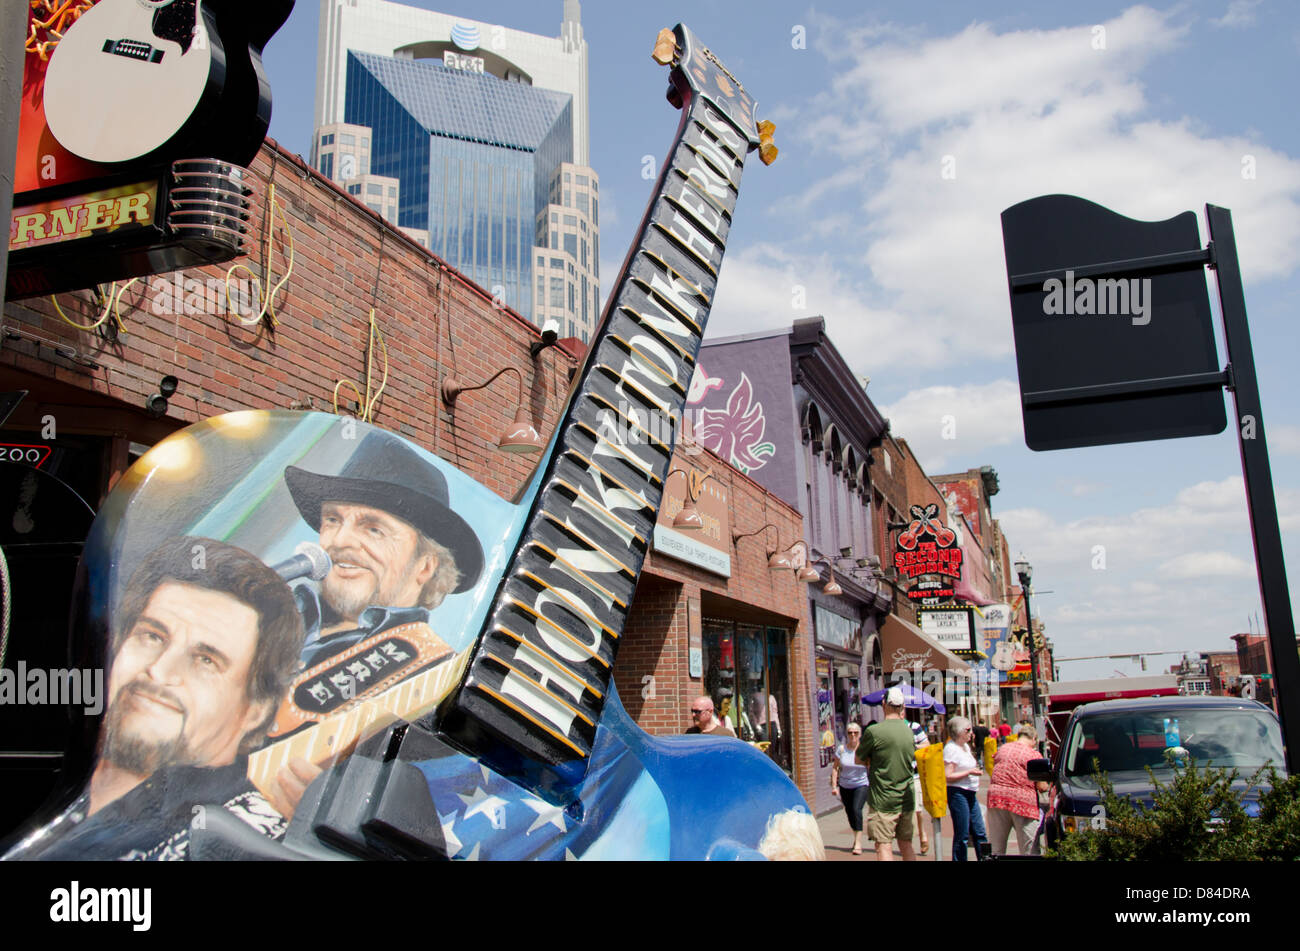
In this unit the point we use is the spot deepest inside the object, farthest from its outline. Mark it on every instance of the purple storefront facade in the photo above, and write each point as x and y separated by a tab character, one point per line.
784	407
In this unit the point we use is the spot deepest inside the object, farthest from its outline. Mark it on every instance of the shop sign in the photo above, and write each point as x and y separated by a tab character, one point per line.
953	628
928	553
997	625
903	659
81	216
134	120
836	630
708	547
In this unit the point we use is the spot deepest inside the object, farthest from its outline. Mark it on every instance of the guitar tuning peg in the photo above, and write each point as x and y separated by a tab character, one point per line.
665	50
767	150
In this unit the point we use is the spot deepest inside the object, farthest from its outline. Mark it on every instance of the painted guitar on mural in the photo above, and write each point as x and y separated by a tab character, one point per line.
456	701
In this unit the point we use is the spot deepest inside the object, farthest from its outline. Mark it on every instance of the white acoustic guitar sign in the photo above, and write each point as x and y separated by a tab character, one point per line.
127	77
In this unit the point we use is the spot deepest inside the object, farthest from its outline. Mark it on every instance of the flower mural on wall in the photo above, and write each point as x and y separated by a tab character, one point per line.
736	433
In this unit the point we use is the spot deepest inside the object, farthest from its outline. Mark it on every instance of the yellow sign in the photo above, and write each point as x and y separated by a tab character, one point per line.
80	216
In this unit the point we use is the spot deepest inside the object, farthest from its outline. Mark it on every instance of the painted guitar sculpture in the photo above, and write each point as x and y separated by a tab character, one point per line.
471	712
182	64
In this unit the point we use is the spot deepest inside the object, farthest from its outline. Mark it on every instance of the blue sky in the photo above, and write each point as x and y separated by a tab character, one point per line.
1151	110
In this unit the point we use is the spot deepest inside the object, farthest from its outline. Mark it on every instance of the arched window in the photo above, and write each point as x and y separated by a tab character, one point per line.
810	425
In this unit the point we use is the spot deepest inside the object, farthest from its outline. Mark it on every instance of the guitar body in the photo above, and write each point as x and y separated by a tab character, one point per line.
164	57
245	30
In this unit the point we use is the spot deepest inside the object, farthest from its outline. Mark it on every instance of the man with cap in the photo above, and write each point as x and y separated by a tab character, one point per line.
888	748
396	547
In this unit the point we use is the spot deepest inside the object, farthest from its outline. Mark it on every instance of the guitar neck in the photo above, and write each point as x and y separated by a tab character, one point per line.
540	672
338	734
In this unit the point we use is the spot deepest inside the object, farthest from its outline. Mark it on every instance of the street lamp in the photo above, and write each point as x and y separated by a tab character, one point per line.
1025	571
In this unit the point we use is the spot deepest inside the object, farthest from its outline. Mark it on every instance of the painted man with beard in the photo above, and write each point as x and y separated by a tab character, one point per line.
396	547
203	644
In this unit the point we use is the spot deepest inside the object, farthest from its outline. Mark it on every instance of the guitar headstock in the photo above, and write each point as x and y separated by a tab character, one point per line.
697	72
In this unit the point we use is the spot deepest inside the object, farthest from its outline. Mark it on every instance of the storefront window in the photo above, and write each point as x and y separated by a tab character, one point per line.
747	673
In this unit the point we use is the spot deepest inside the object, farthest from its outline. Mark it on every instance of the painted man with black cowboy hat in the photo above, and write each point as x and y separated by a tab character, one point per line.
396	545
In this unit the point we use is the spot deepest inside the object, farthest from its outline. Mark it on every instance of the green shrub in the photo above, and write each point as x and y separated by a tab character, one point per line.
1196	815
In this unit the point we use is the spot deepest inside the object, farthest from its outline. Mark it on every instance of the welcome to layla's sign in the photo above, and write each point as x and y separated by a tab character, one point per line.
928	550
953	628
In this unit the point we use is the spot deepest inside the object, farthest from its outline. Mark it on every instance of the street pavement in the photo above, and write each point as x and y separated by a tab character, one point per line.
838	837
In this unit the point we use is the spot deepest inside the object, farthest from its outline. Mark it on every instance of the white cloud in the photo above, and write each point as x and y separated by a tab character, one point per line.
1240	13
946	424
1179	576
1284	440
1207	564
759	289
1053	113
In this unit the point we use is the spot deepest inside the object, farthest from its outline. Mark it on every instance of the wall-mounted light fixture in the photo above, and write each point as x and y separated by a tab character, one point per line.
521	435
804	571
156	405
831	587
777	559
689	516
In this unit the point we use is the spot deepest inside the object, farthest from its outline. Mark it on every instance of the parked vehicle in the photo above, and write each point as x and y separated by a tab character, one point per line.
1123	738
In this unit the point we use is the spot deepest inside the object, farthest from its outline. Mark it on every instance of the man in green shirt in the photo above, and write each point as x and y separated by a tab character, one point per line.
888	749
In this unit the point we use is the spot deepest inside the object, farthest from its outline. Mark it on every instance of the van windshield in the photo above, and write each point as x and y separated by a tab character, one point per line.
1126	742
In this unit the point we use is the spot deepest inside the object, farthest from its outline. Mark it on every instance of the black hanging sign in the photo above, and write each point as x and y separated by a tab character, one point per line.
1114	337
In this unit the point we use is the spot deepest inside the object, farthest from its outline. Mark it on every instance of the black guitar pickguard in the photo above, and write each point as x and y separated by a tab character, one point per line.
175	22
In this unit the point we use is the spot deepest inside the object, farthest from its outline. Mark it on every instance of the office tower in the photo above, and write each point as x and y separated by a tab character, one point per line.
472	139
392	29
567	281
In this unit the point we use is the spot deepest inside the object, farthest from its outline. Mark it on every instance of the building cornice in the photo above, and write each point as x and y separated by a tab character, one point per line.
819	367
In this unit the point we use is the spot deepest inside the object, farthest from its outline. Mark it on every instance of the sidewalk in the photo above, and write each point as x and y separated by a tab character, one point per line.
838	837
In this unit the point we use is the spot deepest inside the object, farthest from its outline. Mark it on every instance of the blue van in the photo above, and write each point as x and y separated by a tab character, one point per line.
1124	737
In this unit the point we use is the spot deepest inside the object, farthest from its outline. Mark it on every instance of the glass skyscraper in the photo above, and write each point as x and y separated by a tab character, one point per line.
474	155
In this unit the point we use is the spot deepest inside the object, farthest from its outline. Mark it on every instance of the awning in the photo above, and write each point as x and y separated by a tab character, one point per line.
904	647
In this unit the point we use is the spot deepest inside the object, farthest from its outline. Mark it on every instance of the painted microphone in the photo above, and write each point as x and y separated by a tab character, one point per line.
310	561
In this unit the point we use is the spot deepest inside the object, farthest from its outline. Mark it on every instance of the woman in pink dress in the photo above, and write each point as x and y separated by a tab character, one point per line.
1013	797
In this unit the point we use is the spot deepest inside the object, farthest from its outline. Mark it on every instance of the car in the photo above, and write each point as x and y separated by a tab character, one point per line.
1124	737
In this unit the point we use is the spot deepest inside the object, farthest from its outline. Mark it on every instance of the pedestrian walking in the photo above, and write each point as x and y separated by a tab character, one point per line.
887	749
962	771
1013	796
850	782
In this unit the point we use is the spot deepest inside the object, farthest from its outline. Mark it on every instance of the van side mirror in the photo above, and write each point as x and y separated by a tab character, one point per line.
1039	770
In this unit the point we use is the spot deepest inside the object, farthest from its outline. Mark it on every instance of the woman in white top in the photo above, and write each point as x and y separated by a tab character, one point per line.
962	770
849	781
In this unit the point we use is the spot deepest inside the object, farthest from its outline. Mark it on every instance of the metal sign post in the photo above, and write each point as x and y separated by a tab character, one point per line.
1255	469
